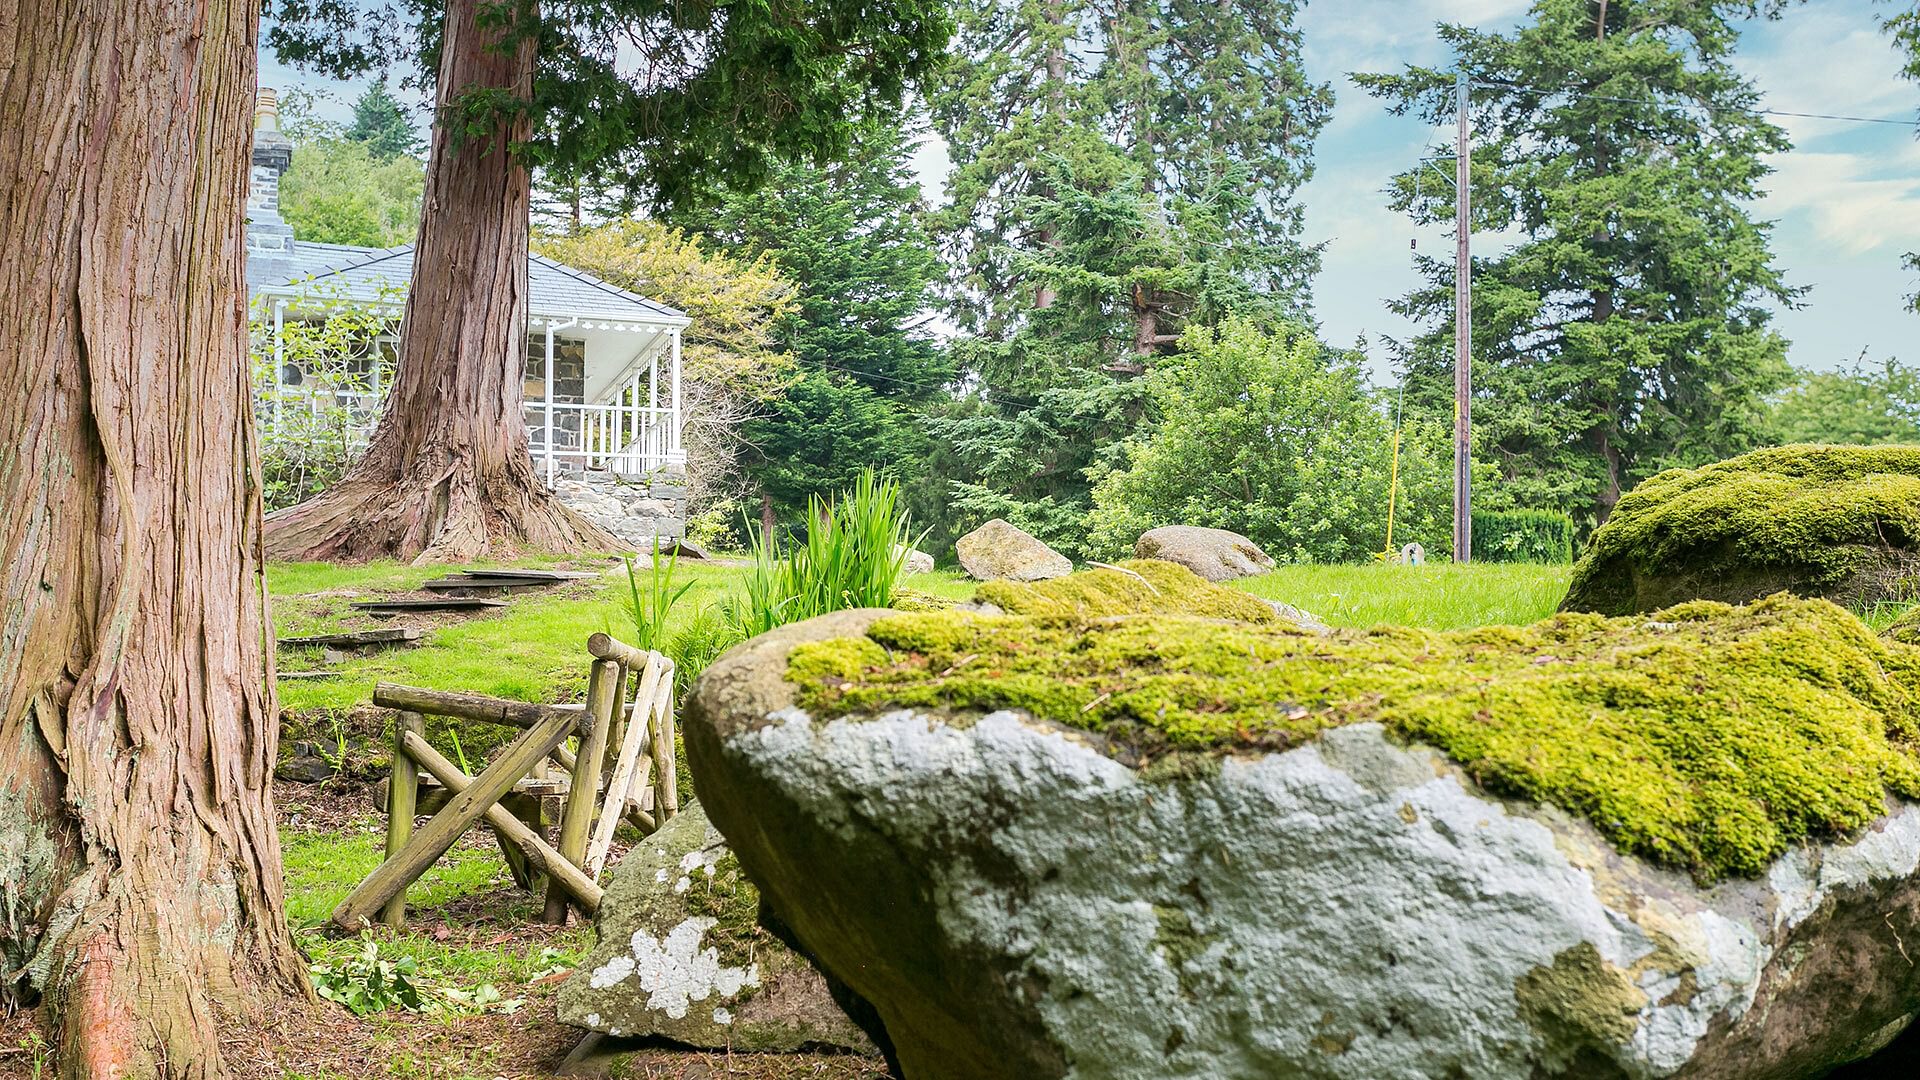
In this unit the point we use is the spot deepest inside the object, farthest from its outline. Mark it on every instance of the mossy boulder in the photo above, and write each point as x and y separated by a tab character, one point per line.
680	953
1840	522
1181	845
1214	554
1133	587
1000	550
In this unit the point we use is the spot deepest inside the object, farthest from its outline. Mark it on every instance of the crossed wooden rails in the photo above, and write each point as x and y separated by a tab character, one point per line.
573	867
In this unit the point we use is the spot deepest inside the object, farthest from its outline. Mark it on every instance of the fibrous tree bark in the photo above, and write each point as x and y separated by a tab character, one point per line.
447	475
140	885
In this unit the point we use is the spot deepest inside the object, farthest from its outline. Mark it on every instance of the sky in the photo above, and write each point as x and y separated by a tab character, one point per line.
1846	198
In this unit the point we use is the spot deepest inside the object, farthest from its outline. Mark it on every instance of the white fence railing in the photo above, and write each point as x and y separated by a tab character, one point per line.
628	439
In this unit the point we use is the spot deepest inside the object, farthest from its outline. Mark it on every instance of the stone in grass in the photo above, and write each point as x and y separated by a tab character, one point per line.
1182	847
1841	522
998	550
1136	586
1214	554
680	953
917	561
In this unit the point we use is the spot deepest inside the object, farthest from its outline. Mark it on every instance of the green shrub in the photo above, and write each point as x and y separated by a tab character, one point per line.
854	555
1530	536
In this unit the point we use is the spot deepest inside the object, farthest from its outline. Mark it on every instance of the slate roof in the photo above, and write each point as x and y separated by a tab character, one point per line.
362	274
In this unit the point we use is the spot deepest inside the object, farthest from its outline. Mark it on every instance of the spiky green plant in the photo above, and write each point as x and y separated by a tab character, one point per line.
854	555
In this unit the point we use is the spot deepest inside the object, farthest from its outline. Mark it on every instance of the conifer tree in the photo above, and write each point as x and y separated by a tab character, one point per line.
1627	331
851	235
382	125
1120	172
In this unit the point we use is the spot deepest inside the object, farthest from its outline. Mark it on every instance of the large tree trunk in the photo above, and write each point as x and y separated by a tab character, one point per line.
447	475
140	885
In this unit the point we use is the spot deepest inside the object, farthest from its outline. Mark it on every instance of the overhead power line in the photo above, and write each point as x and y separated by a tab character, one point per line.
1538	91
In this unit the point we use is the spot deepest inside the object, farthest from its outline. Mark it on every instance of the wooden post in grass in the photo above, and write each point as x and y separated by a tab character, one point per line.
657	667
603	697
538	852
666	776
461	811
642	819
403	792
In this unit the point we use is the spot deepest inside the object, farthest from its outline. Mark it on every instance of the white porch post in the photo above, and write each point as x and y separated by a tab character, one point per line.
674	417
548	391
279	360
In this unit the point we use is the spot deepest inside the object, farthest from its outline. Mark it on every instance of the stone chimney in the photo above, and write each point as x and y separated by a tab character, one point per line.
269	238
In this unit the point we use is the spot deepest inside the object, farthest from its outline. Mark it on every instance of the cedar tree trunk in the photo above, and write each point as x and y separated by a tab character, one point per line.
447	475
140	884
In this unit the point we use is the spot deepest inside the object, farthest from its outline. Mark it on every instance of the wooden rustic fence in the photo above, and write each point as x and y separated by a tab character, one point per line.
517	789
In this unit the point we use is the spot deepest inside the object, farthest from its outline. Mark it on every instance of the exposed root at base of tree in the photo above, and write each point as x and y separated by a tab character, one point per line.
450	517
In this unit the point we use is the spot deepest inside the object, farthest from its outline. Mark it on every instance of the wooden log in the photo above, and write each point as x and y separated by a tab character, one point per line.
666	776
436	603
603	696
487	710
357	638
539	853
439	833
638	811
402	793
608	647
617	787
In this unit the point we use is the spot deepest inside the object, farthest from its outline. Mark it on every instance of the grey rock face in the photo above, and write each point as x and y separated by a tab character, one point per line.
1304	619
1214	554
919	562
679	953
1000	550
1016	903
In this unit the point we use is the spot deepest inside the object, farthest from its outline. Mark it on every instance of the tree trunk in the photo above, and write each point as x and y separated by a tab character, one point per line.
447	475
140	882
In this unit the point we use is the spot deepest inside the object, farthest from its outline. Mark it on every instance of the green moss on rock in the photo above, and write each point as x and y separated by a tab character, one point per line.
1835	521
726	896
1136	586
1709	737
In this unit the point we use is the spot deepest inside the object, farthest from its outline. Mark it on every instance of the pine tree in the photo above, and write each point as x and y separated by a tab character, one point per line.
382	125
1627	330
852	235
1120	173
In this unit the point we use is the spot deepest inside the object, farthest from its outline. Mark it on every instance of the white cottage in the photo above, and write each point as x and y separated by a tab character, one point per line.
603	388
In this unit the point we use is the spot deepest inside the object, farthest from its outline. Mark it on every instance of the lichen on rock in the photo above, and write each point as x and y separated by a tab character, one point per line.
1707	737
1841	522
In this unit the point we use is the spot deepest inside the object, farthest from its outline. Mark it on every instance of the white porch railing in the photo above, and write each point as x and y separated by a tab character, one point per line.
627	439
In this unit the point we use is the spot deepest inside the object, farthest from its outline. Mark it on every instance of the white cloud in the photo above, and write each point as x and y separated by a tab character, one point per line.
1847	204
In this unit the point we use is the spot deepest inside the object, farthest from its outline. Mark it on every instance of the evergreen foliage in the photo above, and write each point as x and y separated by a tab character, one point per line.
1858	405
851	236
692	92
338	192
1275	437
382	126
1119	174
1627	331
1530	536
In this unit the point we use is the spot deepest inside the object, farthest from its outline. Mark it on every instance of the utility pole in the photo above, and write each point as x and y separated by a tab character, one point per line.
1462	333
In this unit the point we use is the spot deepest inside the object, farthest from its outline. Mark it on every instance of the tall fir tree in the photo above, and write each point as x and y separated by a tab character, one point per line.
1120	172
852	235
1627	330
382	125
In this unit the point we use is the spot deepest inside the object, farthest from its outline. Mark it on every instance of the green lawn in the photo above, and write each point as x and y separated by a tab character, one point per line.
1437	596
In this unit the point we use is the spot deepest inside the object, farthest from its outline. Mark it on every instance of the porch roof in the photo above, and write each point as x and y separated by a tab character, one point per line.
555	291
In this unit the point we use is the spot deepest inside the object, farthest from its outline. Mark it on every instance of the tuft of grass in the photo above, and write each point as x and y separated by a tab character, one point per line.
1437	596
854	556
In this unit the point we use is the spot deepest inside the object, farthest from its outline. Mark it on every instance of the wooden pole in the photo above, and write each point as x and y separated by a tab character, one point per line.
636	813
1462	330
539	853
603	697
403	793
622	780
666	777
608	647
487	710
461	811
